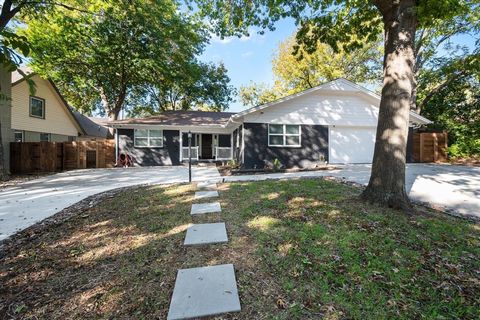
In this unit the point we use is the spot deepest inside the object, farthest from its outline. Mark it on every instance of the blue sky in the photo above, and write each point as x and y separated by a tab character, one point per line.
248	59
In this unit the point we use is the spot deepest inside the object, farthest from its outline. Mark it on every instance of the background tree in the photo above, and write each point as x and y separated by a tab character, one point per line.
437	37
355	22
14	47
296	69
196	86
99	58
453	100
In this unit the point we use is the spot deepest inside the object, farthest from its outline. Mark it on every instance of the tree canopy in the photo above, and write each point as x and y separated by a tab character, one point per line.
102	57
202	86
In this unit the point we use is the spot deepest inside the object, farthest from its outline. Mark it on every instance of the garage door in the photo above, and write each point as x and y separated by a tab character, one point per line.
351	144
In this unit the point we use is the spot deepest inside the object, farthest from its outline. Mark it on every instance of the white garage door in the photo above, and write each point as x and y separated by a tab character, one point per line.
351	144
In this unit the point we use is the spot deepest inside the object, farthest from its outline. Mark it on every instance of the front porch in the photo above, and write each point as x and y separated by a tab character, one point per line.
207	147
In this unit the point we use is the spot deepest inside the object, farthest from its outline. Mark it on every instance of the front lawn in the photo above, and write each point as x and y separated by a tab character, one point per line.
302	249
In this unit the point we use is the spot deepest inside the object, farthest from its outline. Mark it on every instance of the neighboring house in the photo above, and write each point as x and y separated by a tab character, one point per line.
334	122
44	116
94	128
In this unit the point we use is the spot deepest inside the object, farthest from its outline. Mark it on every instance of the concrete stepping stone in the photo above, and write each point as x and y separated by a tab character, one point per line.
205	194
201	208
205	291
206	233
208	185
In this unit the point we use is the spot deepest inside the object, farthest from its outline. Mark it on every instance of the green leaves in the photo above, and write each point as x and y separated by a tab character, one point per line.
297	68
12	49
100	57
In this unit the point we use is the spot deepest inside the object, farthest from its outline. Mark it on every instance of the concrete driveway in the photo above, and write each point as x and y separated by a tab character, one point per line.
33	201
452	188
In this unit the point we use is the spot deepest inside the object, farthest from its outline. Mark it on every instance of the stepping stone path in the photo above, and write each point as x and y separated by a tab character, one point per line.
203	292
202	208
206	194
207	185
211	290
206	233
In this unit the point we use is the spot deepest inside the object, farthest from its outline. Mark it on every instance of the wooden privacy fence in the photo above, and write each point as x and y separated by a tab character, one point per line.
37	157
430	147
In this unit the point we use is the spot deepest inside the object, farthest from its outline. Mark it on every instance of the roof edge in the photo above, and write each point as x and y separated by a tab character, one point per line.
362	89
65	103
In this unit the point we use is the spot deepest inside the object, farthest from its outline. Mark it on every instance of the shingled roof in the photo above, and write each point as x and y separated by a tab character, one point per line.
93	127
181	118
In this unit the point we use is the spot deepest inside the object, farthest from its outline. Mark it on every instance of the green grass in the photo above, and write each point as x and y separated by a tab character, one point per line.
335	256
302	249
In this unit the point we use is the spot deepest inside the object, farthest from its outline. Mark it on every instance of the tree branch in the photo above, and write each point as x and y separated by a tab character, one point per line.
439	88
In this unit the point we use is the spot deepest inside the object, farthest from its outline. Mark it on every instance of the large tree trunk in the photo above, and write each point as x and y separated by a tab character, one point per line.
5	120
3	169
387	181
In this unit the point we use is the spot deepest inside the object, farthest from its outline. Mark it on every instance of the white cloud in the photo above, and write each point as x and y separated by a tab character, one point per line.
217	39
247	54
252	36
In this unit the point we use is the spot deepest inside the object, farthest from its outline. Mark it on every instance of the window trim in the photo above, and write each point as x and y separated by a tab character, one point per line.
284	134
19	131
30	107
148	138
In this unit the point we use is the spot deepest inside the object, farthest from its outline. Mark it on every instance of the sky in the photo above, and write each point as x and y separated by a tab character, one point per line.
249	58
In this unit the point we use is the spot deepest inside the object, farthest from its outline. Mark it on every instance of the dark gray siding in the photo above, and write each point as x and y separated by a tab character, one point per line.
410	145
224	140
237	141
234	146
185	139
168	155
240	141
258	154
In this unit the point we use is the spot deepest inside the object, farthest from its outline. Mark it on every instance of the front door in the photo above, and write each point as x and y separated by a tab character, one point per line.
207	146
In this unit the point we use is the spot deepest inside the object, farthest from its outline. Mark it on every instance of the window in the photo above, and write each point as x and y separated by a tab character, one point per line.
283	135
19	137
148	138
37	107
45	137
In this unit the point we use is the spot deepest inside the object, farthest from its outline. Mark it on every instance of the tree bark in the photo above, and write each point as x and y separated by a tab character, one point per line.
387	180
3	170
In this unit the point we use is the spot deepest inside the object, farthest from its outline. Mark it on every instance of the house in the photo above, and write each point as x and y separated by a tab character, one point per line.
334	122
95	129
42	116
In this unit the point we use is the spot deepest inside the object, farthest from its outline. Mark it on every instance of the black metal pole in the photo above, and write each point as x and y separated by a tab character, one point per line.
189	156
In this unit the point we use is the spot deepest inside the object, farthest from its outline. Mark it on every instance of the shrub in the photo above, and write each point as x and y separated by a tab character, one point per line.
277	165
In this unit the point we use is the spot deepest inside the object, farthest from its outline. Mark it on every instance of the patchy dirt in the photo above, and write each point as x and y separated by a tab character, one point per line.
471	162
302	249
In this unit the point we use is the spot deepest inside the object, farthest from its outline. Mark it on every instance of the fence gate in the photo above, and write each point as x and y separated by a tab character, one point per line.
430	147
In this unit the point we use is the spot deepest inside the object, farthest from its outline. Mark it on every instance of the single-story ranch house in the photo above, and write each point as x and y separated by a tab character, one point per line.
334	122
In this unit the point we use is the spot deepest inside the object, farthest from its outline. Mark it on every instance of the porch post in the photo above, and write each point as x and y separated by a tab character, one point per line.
190	156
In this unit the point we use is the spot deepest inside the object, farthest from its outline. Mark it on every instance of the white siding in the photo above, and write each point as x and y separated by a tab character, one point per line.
57	119
345	108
